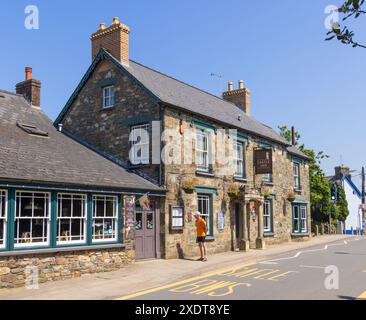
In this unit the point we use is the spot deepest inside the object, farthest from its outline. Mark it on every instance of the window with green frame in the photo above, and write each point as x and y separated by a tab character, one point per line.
299	218
3	217
205	208
50	219
268	216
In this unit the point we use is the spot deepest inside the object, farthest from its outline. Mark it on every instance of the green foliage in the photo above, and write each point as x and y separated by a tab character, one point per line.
319	185
340	209
350	8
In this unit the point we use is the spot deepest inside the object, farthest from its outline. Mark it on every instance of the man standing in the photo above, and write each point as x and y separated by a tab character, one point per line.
201	235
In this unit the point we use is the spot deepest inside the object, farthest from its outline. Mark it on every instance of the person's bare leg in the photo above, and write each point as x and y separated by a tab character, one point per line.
204	250
201	250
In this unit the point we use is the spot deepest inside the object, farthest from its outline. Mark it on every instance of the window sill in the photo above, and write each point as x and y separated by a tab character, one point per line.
298	189
32	251
205	174
244	180
268	234
210	239
102	109
299	235
267	183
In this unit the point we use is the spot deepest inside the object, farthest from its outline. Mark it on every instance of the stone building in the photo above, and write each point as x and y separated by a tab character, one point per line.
65	210
119	100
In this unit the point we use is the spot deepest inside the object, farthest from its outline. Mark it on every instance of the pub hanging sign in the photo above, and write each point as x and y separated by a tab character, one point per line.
263	161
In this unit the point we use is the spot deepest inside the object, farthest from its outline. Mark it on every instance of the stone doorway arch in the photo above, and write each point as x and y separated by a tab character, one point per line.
252	227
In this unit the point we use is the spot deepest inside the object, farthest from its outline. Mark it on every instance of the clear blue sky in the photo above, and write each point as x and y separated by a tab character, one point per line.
276	47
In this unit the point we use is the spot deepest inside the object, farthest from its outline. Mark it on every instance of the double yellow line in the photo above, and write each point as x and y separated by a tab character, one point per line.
168	286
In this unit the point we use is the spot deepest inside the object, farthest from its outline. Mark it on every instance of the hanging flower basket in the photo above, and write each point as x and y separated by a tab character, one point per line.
233	191
188	186
291	196
267	194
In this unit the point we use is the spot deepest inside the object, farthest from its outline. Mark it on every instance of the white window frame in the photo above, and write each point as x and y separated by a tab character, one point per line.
208	216
297	179
108	97
267	216
140	132
296	219
47	218
268	178
304	219
4	216
238	160
84	218
105	217
203	154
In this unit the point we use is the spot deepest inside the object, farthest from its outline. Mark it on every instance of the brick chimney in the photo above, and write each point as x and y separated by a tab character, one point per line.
342	171
114	39
240	97
30	89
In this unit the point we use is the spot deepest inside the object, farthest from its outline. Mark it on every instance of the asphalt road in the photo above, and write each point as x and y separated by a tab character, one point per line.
333	271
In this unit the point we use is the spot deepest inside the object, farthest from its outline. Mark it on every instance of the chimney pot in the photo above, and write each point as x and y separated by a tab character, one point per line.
293	136
115	20
28	73
114	39
241	97
230	86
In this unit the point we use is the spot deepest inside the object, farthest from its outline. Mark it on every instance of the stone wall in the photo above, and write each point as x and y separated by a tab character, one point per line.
15	270
184	243
108	130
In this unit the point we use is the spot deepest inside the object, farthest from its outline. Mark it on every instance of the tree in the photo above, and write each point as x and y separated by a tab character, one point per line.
350	9
319	185
341	211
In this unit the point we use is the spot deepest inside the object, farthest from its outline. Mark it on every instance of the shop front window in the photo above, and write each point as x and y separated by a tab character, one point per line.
32	219
138	220
3	216
105	218
71	218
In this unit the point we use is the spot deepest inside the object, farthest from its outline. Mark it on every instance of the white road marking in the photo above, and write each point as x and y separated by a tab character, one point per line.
300	252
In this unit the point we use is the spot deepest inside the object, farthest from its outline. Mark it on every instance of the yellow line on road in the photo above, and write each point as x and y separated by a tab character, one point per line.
362	296
168	286
312	267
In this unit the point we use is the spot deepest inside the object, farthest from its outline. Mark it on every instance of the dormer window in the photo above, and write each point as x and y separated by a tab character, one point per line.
108	97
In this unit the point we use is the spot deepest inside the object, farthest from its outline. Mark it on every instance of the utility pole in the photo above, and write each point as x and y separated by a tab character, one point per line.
363	201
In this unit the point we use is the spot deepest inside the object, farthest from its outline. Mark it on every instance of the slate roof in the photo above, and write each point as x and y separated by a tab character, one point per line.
182	95
297	152
56	159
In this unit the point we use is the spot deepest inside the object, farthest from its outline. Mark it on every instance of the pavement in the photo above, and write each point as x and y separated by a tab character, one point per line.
294	270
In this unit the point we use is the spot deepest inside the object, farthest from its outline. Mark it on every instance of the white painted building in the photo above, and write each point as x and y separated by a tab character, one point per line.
353	196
